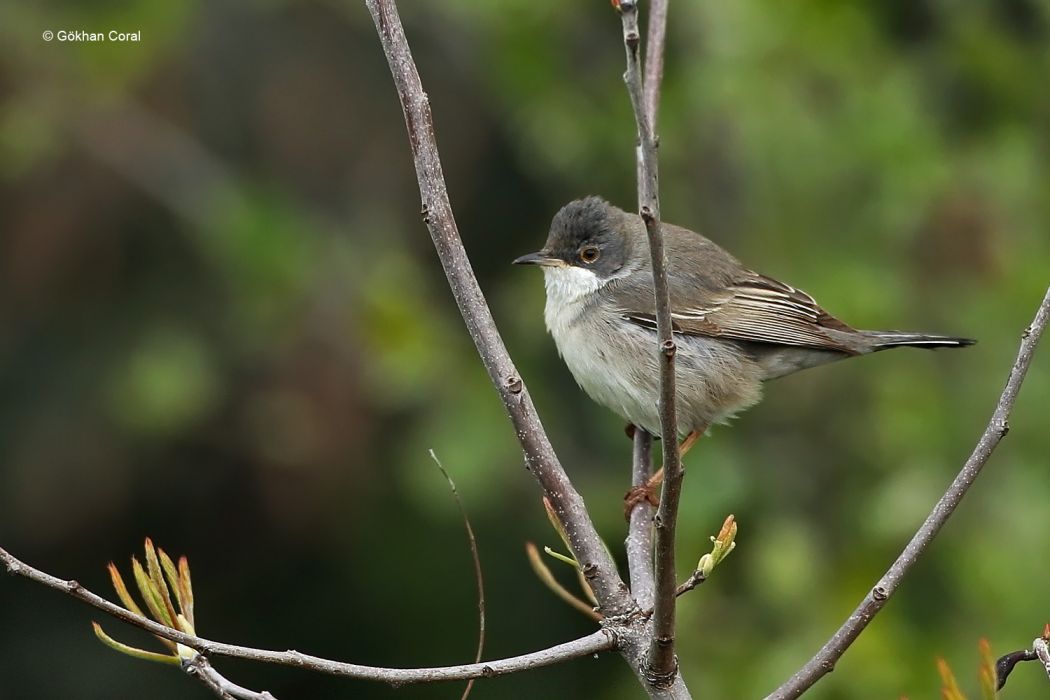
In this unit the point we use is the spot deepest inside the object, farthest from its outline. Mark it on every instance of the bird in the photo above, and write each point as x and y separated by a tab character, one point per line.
734	328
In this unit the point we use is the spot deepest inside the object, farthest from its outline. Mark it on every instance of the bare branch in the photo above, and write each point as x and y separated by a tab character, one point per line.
220	685
662	664
595	560
1005	665
824	660
1040	652
654	59
601	640
639	544
694	580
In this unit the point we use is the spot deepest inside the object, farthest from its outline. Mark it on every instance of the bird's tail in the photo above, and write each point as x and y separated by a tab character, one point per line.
883	340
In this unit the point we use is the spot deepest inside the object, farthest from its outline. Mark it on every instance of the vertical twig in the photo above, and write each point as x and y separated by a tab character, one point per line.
654	59
479	578
662	664
595	560
824	660
639	544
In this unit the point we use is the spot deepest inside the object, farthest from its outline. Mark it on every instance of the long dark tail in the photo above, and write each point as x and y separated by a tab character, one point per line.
883	340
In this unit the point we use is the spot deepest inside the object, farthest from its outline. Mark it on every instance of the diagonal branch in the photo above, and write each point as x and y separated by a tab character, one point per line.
662	664
221	686
584	646
595	560
824	660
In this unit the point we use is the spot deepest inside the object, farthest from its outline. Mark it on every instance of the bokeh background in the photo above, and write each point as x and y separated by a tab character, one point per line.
222	324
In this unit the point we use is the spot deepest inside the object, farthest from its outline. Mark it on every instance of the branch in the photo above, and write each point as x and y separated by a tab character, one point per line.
601	640
824	660
1005	665
1040	651
595	561
662	664
694	580
222	687
639	544
654	59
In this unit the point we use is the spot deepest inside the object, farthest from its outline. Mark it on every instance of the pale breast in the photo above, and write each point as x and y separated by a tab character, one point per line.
616	363
611	368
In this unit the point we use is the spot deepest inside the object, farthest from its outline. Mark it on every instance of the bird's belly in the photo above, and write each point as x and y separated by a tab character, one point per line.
609	373
617	365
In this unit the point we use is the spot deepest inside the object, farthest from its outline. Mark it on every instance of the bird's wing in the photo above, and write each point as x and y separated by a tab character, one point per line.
757	309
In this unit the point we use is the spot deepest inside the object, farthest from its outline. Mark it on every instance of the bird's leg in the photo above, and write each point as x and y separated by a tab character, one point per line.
686	445
647	493
689	441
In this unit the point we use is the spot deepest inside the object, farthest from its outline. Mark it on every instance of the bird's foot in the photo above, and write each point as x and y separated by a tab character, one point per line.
646	493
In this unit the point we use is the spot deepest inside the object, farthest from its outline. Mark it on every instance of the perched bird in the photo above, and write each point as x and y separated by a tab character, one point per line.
734	328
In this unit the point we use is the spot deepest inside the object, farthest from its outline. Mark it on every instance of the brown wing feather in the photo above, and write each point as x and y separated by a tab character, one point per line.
758	309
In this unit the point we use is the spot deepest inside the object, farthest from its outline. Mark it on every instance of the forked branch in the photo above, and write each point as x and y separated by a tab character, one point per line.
591	644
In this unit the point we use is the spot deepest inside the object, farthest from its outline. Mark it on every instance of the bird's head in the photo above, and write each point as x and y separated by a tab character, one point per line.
588	240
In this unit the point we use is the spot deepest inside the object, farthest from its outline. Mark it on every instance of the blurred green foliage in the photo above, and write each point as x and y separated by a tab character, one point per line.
222	324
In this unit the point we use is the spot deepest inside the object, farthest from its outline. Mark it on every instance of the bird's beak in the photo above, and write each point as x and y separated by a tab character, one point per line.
541	258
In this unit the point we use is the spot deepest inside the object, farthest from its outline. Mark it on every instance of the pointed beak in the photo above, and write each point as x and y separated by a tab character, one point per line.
540	258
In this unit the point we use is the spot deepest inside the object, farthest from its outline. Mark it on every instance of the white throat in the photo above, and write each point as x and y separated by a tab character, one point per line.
568	288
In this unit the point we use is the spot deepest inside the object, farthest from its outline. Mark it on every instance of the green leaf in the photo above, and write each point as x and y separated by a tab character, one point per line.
562	558
157	577
149	595
172	575
133	651
122	590
186	584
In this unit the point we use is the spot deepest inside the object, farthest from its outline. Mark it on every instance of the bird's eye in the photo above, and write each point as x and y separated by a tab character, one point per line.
589	254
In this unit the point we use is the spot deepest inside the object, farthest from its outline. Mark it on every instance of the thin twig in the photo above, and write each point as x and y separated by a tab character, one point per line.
824	660
639	544
595	560
224	688
654	59
694	580
479	579
662	664
591	644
